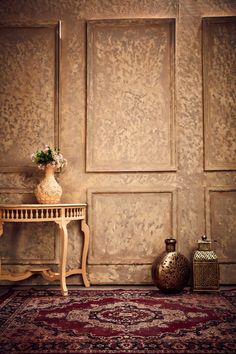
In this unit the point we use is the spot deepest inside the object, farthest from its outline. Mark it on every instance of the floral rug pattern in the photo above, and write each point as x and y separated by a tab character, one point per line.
117	321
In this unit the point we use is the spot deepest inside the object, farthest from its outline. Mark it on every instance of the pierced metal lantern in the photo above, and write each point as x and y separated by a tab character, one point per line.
205	267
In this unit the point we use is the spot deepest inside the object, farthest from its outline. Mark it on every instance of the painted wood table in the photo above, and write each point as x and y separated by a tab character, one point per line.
61	214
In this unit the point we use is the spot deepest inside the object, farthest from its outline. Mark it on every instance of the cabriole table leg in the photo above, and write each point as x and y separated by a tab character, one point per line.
63	256
85	230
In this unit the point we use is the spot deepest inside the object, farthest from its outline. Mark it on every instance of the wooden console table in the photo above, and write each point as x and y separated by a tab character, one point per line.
61	214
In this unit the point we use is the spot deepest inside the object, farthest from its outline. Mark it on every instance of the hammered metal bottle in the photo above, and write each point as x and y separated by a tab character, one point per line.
171	270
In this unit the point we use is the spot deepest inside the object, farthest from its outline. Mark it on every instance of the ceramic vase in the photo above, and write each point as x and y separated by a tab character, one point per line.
48	191
171	270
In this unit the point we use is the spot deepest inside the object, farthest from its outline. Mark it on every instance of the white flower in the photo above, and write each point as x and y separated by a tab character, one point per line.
41	166
48	156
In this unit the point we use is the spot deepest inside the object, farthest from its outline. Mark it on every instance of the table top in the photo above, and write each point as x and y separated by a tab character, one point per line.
41	212
40	206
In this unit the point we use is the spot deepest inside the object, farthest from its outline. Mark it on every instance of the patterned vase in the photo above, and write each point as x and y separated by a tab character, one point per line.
48	191
170	270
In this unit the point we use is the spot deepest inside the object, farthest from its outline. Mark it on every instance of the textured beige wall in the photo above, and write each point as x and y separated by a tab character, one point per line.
130	120
219	56
27	84
149	151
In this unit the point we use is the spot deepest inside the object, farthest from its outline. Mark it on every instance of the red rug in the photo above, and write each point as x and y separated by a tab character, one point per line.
117	321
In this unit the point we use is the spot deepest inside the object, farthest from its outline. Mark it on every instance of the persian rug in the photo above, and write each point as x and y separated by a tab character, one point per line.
117	321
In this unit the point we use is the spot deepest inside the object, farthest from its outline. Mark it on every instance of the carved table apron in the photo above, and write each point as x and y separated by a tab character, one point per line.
61	214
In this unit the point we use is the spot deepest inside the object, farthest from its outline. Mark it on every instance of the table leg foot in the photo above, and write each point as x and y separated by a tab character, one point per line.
64	292
85	280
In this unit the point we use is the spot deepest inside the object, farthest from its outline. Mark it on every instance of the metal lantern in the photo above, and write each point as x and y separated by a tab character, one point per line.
205	267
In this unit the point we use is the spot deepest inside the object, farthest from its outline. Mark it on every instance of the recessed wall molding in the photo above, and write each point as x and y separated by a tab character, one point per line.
131	95
219	86
29	104
21	244
220	207
129	226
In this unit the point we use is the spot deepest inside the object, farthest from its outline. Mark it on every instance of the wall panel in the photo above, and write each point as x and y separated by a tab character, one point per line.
130	103
221	221
219	62
134	226
23	244
29	89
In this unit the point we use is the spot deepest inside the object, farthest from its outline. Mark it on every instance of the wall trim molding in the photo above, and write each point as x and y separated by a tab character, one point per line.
131	165
29	261
56	25
208	191
93	260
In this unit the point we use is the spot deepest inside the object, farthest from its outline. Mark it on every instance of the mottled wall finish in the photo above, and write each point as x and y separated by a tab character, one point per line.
28	91
24	243
132	222
221	225
219	63
131	86
221	221
136	191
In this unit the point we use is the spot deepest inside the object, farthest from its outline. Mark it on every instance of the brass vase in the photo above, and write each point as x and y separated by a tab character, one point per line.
48	191
171	270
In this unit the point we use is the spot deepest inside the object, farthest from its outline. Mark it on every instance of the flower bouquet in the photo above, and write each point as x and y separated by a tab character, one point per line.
48	156
48	191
